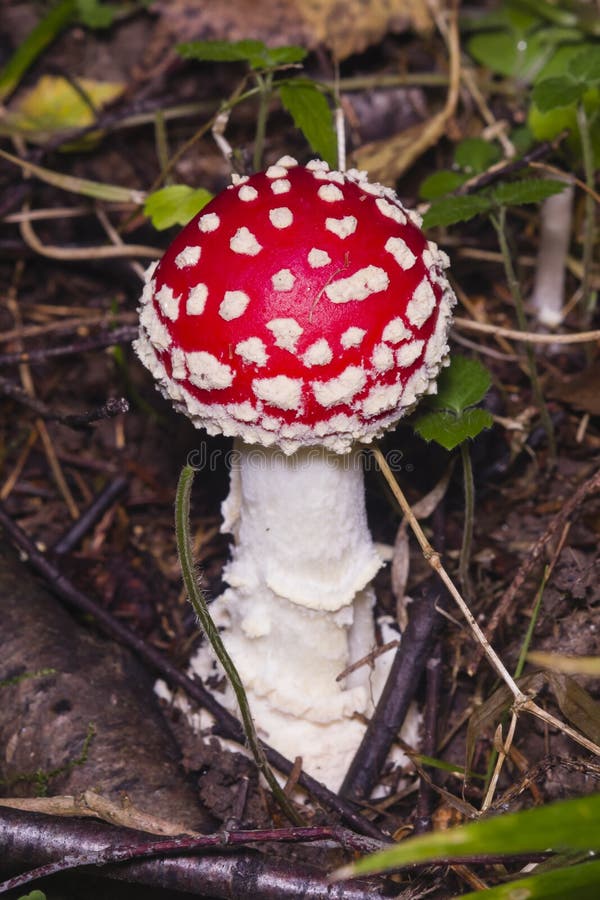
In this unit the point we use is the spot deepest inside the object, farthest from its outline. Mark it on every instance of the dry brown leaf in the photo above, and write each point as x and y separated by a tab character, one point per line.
582	391
343	27
387	160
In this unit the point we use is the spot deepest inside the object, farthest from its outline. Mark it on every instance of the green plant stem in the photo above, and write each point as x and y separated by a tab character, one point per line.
499	222
587	298
46	31
265	85
467	538
198	601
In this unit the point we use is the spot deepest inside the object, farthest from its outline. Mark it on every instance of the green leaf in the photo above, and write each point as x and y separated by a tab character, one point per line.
451	210
441	183
532	190
553	93
450	430
475	155
257	54
515	54
463	383
567	825
497	50
586	66
33	895
522	139
312	115
449	418
175	205
95	14
581	881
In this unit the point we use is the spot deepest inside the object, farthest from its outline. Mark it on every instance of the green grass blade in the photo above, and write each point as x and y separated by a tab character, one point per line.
112	193
581	882
567	825
35	43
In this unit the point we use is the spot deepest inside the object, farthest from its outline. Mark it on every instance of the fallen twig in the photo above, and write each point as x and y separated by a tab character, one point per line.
47	842
226	724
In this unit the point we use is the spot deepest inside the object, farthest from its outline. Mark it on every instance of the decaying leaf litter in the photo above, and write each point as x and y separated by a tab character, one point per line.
414	105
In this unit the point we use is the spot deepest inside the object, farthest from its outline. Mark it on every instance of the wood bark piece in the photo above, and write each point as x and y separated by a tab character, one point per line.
44	720
30	840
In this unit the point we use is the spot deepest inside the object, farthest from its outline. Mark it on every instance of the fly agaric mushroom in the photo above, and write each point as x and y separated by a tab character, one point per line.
302	312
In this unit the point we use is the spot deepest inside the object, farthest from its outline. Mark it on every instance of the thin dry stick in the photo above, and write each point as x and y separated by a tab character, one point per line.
568	176
65	326
580	337
437	124
117	240
29	388
79	253
503	751
591	486
434	561
521	701
11	480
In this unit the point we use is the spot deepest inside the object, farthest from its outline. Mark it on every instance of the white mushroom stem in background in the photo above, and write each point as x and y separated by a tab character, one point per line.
298	610
547	298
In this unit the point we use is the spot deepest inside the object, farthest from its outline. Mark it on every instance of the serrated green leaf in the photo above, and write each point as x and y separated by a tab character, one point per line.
175	205
581	881
475	155
312	115
255	53
555	93
585	67
285	56
566	825
532	190
223	51
462	384
449	429
451	210
441	183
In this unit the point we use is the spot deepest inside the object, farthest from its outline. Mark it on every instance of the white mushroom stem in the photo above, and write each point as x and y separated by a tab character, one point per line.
547	298
298	610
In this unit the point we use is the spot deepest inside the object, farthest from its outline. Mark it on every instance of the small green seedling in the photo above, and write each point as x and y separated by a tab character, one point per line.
450	210
269	69
450	418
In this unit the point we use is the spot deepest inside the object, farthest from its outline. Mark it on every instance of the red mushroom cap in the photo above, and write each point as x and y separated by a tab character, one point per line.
301	306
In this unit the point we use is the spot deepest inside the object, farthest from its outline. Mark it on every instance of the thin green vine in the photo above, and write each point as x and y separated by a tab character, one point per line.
198	601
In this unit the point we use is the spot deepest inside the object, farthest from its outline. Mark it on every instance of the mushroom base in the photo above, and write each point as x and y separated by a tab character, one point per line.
299	608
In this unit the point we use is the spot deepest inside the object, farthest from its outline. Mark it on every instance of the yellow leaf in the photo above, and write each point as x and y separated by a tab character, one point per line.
55	104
